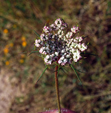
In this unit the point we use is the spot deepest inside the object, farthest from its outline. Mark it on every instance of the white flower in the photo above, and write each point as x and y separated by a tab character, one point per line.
44	52
64	62
48	61
56	53
67	56
53	26
42	49
59	61
37	43
74	29
60	33
78	39
64	38
52	55
63	51
47	57
61	58
46	29
69	34
45	60
75	51
82	47
76	56
42	36
64	25
59	45
58	22
74	45
67	49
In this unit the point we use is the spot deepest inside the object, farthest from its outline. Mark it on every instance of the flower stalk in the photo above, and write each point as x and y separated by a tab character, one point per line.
57	88
62	45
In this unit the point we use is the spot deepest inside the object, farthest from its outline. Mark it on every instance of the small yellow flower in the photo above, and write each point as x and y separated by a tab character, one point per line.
22	56
24	43
14	26
5	31
7	63
6	50
23	38
21	61
11	44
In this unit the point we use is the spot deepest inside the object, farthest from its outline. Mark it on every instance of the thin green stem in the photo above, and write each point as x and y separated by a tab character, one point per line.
76	73
57	88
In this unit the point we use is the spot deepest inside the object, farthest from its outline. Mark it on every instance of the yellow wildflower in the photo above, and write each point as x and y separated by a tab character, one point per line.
24	43
11	44
14	26
22	56
7	63
23	38
21	61
5	31
6	50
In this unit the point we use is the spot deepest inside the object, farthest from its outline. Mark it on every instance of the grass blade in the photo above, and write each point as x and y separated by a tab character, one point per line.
36	33
64	70
42	74
79	71
33	52
76	73
90	54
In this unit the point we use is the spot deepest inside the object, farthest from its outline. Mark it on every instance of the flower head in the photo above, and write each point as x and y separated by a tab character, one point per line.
69	34
74	29
58	22
46	29
60	46
6	50
21	61
24	43
7	63
5	31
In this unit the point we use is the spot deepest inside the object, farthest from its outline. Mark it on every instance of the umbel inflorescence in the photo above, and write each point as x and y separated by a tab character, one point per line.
60	45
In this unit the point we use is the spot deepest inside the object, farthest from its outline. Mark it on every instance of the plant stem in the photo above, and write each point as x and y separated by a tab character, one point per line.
57	88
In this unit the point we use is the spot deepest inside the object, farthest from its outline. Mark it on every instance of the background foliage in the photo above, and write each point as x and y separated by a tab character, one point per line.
19	19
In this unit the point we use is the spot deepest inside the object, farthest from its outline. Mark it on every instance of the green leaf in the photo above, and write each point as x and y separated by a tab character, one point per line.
90	54
87	43
42	74
109	4
36	33
63	69
34	47
79	71
33	52
76	73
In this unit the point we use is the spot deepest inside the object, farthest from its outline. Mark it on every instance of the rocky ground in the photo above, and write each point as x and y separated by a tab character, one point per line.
7	91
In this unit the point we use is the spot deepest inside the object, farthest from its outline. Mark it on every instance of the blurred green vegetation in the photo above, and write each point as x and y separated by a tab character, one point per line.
19	19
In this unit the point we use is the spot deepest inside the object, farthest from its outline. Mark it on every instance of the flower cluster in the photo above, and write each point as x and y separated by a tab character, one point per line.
60	45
